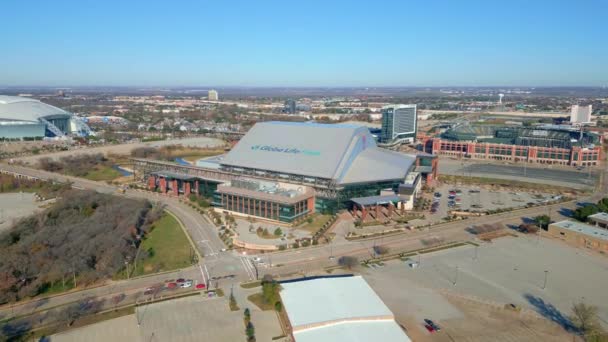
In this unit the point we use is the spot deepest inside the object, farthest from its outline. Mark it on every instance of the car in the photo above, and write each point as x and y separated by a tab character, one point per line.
171	286
437	194
200	286
429	328
223	250
148	292
180	280
257	259
432	324
186	284
332	257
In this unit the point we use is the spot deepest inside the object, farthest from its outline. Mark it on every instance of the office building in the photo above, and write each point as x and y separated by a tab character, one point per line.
399	124
580	114
212	95
290	106
26	118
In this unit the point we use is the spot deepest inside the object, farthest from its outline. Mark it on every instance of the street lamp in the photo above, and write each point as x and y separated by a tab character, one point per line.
545	282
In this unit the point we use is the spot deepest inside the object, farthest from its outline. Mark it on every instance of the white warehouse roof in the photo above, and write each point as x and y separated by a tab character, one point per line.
15	108
344	153
338	309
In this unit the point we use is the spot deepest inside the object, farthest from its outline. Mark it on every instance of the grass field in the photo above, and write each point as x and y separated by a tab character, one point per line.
258	300
102	173
169	248
317	222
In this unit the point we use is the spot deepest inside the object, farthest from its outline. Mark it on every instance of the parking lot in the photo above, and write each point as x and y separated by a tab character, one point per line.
453	285
477	199
14	206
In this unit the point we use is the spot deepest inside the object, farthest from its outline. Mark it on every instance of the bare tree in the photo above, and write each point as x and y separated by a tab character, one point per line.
584	317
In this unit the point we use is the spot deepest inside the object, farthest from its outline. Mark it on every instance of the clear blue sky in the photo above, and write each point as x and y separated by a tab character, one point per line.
304	43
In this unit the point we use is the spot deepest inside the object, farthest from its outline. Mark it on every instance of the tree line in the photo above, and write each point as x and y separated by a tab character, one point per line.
83	237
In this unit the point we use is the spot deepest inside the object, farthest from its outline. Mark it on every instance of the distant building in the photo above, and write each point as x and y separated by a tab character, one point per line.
26	118
338	309
212	95
543	144
581	114
581	235
290	106
398	124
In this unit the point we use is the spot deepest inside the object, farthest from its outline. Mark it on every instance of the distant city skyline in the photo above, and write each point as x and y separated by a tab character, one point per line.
304	44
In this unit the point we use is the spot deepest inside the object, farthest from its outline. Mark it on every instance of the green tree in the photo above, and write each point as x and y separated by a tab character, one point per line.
250	332
278	232
582	213
542	221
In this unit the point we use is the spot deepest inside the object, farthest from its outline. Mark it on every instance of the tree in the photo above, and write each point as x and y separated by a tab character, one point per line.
250	332
542	221
584	317
583	212
247	316
278	232
381	250
348	261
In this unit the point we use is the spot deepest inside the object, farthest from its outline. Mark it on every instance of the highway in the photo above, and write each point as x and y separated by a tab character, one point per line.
232	267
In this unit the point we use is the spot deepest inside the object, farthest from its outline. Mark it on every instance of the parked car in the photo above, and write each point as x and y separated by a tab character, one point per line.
437	194
180	280
200	286
429	328
186	284
171	286
432	324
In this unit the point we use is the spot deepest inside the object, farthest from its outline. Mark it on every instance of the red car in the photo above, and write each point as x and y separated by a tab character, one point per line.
429	328
180	280
200	286
171	285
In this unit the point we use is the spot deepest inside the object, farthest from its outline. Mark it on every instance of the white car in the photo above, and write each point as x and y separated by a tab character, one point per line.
186	284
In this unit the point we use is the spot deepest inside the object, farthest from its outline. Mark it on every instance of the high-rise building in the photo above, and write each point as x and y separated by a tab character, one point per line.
290	106
580	114
398	124
212	95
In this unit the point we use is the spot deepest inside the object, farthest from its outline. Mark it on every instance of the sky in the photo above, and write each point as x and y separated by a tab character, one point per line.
306	43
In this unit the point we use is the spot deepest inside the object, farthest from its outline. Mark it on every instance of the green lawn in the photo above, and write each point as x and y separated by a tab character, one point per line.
318	221
103	173
170	246
258	300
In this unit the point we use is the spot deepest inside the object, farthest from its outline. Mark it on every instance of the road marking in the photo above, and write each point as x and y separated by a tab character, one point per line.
203	274
206	270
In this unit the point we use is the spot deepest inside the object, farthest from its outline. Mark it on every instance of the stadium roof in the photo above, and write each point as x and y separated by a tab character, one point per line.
25	109
338	309
342	152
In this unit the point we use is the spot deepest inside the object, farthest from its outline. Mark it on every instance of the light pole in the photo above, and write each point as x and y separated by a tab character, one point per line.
475	257
455	277
545	282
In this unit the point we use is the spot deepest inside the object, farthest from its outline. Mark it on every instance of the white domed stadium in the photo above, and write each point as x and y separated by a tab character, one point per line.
24	118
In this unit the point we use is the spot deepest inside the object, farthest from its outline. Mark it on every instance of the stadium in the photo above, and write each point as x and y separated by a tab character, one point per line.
283	170
23	118
545	144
